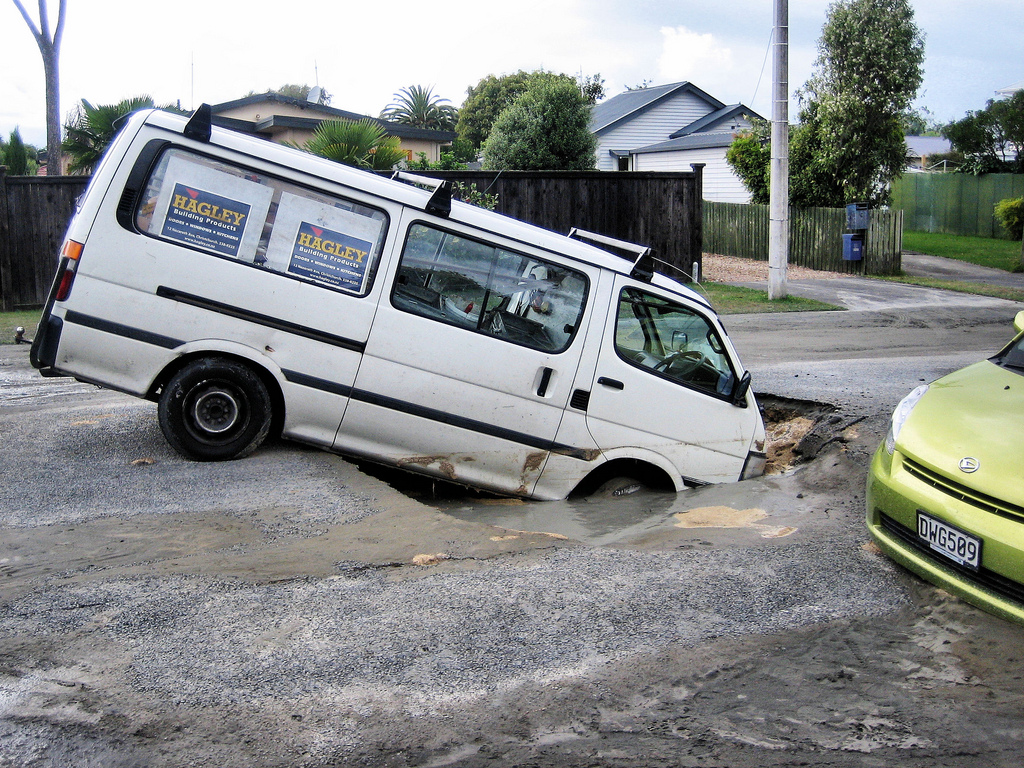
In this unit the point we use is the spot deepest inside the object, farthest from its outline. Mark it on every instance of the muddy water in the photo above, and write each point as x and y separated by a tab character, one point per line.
638	514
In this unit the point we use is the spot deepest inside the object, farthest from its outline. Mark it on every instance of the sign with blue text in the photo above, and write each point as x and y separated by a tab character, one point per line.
333	245
199	217
205	207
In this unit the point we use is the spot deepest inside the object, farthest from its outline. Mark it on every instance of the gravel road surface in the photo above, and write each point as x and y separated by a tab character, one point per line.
292	610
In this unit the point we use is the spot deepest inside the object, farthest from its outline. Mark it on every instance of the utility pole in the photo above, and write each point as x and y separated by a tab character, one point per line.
778	225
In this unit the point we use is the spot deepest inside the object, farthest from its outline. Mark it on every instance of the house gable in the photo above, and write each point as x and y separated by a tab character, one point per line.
647	116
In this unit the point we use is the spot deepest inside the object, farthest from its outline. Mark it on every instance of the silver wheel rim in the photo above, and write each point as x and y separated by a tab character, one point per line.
216	411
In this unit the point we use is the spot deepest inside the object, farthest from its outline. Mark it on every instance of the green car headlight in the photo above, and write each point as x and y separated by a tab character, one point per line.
899	416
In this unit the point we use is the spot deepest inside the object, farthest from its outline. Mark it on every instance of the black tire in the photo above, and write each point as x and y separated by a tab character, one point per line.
215	409
619	486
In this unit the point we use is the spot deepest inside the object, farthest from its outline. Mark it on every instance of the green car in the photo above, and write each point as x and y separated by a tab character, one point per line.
945	493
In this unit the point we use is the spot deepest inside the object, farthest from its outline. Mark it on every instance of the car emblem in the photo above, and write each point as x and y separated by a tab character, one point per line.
969	464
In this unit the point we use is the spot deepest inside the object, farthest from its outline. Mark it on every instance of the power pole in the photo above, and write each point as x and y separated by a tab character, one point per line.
778	225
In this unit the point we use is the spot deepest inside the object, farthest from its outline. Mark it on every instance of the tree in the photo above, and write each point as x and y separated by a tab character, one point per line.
49	48
749	155
17	156
849	145
991	139
920	122
363	144
547	128
493	95
419	106
867	75
89	130
296	91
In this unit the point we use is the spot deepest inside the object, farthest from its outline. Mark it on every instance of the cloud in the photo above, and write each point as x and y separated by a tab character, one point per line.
689	55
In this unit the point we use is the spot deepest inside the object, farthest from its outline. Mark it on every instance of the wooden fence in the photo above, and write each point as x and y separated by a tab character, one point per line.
815	237
955	203
660	210
34	213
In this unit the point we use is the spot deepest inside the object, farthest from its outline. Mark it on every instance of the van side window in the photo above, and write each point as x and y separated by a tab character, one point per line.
241	214
672	341
483	288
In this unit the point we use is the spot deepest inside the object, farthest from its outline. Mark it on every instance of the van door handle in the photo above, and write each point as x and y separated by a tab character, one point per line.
612	383
545	379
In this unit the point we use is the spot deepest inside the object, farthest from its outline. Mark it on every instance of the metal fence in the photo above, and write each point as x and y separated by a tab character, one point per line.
34	213
955	203
815	237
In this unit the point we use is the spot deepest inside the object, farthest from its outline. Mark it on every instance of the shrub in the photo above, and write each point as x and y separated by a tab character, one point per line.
1010	213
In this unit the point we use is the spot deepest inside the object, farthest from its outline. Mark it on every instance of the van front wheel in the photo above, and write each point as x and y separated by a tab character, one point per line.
215	409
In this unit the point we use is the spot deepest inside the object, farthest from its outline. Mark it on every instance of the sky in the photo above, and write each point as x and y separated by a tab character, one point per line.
363	53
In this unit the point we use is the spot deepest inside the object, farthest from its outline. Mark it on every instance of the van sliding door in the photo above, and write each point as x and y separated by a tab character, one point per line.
469	363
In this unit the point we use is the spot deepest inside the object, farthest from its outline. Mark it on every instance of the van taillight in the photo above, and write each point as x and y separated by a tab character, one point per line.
72	252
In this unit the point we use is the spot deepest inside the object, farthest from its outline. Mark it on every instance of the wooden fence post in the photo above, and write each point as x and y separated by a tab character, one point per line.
6	246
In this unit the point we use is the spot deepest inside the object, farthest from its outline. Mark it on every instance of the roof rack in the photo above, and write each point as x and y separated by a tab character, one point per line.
440	203
643	266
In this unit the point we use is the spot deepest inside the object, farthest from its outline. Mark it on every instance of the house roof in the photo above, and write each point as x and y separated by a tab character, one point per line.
317	114
716	119
922	146
628	105
1011	89
694	141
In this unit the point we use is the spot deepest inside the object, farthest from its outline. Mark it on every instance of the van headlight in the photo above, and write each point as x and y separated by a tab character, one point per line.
899	416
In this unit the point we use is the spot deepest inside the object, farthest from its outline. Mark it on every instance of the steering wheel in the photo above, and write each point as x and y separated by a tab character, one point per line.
682	363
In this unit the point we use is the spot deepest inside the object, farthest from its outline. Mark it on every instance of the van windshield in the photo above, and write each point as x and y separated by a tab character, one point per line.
672	341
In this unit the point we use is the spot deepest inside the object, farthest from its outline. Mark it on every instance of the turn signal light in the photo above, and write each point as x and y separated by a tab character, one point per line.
72	249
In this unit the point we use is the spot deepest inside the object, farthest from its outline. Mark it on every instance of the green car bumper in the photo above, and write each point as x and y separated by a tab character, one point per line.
899	489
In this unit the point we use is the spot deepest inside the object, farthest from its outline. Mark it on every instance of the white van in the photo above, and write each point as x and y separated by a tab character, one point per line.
249	288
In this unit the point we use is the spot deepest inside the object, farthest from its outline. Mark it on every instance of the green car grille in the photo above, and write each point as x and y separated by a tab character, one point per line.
963	493
983	577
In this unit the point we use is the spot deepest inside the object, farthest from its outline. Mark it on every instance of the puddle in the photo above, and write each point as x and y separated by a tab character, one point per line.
613	518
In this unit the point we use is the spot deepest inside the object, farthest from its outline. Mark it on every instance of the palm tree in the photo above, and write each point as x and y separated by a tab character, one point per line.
419	106
90	130
363	144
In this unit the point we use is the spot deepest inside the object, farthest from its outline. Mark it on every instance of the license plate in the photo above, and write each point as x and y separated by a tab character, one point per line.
951	542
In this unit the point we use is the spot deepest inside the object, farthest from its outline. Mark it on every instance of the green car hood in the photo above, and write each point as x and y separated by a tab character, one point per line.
975	412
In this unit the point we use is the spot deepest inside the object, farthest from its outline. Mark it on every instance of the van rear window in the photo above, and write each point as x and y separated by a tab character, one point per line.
241	214
477	286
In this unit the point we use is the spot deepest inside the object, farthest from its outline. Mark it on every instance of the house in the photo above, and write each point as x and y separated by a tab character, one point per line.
921	148
285	119
668	128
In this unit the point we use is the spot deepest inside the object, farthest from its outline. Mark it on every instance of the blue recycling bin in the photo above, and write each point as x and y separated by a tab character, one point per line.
853	247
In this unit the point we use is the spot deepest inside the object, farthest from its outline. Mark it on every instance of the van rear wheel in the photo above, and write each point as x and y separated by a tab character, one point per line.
215	409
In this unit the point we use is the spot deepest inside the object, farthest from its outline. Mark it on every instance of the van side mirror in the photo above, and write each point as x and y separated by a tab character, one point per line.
1018	322
739	392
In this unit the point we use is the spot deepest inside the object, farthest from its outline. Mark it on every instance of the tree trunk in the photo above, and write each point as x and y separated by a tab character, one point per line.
51	68
49	49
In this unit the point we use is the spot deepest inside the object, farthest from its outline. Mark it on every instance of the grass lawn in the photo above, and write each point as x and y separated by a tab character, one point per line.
983	251
11	320
733	300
